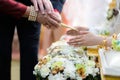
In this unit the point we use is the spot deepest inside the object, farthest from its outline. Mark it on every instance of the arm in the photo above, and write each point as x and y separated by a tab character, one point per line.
13	8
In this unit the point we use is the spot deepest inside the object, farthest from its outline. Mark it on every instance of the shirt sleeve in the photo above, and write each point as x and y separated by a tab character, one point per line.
12	8
58	4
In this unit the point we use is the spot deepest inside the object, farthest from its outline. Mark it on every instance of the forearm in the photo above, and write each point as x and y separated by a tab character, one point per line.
12	8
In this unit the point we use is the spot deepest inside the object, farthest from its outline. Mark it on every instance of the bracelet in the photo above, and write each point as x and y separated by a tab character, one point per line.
104	43
115	43
33	14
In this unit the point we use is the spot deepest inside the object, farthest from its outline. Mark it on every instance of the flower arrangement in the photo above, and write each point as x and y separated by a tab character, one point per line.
65	62
112	11
112	14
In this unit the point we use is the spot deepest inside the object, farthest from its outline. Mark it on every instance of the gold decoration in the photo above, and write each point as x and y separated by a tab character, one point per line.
92	51
112	5
114	36
57	69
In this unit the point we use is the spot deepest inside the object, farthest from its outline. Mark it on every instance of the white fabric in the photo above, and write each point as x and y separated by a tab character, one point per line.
91	14
87	13
110	61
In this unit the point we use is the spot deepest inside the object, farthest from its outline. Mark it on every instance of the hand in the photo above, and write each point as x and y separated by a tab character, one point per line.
55	19
50	20
42	5
85	38
74	32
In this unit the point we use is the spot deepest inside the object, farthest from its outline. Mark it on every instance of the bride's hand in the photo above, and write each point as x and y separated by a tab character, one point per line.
85	38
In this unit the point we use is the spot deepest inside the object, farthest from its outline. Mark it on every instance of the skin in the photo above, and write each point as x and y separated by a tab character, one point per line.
49	20
86	38
42	5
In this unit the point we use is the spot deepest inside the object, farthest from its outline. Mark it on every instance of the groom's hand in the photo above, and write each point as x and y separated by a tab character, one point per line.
43	5
51	20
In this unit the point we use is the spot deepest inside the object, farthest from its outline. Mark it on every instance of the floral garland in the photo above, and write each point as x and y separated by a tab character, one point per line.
65	62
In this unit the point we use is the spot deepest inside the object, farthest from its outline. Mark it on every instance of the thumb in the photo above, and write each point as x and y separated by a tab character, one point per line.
35	5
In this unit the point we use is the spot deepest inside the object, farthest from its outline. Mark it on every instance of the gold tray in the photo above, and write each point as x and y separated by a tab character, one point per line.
106	77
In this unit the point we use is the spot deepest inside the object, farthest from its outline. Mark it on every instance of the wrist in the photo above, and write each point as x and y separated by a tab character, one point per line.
100	40
104	41
32	14
27	12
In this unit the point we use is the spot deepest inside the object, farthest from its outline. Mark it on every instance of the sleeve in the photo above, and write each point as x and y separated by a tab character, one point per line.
58	4
12	8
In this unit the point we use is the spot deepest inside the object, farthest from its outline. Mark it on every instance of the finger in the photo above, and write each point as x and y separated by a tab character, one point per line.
75	44
56	16
84	32
53	22
35	5
48	6
76	37
75	40
51	6
47	26
40	3
82	28
72	32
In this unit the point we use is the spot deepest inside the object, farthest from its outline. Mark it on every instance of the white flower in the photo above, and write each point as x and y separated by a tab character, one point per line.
89	70
66	60
69	71
78	77
44	71
56	77
90	63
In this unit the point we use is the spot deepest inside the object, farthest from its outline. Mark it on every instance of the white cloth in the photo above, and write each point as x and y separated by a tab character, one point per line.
110	61
87	13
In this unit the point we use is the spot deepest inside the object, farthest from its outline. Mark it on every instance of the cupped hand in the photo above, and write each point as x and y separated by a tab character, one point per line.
85	38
